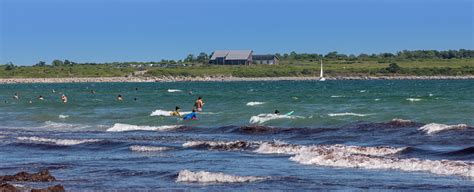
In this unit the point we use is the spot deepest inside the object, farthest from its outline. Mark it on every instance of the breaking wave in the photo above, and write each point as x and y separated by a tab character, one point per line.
63	116
119	127
64	126
262	118
413	99
253	103
378	157
209	177
174	90
347	114
336	96
433	128
139	148
66	142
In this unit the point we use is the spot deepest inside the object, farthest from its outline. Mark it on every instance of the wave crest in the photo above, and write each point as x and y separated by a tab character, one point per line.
347	114
119	127
253	103
262	118
433	128
65	142
209	177
139	148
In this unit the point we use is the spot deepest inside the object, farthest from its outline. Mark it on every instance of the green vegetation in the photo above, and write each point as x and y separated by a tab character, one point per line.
416	63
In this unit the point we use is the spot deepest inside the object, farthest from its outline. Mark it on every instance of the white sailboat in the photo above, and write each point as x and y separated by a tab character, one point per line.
321	77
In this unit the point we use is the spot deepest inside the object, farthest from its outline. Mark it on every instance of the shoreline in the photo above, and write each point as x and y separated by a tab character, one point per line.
215	79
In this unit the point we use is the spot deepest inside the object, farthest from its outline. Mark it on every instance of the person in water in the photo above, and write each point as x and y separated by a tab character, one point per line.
40	98
199	104
119	98
92	91
191	116
277	112
16	96
176	112
64	98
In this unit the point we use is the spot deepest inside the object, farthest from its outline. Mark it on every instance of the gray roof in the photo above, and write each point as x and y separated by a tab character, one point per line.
232	54
219	54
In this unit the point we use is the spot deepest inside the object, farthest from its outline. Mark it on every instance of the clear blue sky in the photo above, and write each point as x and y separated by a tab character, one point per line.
151	30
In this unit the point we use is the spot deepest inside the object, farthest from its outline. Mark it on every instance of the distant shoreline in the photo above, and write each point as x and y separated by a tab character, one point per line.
215	79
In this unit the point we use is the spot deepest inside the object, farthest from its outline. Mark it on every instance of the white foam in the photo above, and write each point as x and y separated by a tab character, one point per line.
119	127
58	141
174	90
63	126
377	99
262	118
347	114
435	127
362	91
365	157
336	96
209	177
253	103
413	99
160	112
139	148
63	116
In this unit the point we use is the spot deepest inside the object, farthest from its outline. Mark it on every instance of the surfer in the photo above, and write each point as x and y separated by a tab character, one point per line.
64	98
40	98
16	96
176	112
198	104
119	98
191	116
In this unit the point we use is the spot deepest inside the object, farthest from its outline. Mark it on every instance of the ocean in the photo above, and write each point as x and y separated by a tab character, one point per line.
342	135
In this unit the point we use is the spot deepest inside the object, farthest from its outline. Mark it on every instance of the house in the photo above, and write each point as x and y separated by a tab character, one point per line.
231	57
265	59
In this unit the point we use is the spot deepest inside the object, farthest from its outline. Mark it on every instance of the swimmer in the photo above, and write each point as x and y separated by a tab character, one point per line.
16	96
92	91
199	104
64	98
176	112
191	116
40	98
119	98
277	112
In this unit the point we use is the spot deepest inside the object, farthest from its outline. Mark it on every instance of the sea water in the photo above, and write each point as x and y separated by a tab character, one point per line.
343	135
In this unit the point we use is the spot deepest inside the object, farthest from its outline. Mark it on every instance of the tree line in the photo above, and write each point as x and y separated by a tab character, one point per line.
203	58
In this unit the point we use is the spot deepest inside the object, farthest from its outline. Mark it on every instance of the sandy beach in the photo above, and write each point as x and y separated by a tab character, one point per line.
213	79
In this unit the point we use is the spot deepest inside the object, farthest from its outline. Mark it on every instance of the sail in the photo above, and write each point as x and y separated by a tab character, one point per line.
321	74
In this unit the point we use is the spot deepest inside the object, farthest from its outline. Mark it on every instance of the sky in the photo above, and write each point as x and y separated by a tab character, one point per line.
151	30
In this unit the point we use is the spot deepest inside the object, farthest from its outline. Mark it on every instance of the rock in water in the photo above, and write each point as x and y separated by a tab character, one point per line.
42	176
56	188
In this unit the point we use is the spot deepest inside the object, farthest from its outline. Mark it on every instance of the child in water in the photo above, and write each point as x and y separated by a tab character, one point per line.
176	112
64	98
191	116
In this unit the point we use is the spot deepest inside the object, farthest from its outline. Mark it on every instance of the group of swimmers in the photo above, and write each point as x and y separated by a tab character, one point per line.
193	116
40	97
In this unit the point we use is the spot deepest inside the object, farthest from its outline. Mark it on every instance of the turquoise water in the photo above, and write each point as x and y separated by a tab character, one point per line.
350	113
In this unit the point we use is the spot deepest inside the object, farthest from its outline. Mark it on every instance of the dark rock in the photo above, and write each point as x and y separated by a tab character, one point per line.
42	176
56	188
5	187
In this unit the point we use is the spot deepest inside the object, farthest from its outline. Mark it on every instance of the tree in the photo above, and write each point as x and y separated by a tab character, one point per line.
67	62
393	68
202	58
189	58
331	55
40	64
10	66
57	63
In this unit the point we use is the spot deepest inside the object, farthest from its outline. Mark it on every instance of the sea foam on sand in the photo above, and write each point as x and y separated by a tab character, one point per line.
210	177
